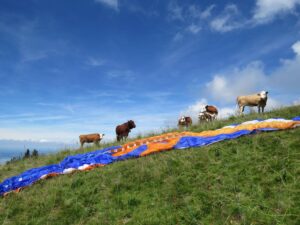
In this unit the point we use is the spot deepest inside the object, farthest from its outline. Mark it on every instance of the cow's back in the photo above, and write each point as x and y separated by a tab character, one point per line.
250	100
90	137
212	109
121	129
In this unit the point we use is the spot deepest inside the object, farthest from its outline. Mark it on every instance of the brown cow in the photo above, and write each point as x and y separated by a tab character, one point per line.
89	138
123	130
185	121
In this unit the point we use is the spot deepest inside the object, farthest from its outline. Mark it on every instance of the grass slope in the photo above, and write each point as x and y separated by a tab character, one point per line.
249	180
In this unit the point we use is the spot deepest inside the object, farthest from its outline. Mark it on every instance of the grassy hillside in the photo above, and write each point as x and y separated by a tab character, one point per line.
250	180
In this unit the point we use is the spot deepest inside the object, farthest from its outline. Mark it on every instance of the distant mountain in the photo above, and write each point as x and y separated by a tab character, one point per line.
24	144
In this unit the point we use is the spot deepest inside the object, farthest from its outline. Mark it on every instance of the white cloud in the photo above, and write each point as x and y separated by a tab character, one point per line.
123	74
189	18
228	20
296	102
283	82
273	104
296	48
227	86
27	38
196	108
231	18
225	112
207	12
149	12
194	28
286	78
30	117
44	141
89	119
178	36
193	110
267	10
195	12
95	62
175	12
114	4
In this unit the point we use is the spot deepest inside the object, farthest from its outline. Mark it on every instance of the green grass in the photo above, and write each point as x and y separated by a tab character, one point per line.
249	180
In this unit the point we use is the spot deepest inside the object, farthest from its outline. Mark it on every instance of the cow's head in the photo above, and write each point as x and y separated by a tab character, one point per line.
102	135
263	94
203	109
182	119
131	124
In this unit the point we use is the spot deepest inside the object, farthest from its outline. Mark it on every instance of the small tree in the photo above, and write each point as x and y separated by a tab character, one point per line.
27	154
35	153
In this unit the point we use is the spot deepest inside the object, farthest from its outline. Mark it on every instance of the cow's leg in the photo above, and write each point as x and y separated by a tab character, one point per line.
81	144
258	109
122	138
214	117
96	143
242	109
207	118
263	109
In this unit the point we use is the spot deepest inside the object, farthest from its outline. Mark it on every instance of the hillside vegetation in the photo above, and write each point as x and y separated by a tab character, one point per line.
249	180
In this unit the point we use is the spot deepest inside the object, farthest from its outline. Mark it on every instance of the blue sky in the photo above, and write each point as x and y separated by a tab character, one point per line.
72	67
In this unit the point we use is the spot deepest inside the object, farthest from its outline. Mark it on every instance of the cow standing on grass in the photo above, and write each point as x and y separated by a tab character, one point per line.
259	100
185	121
123	130
90	138
209	113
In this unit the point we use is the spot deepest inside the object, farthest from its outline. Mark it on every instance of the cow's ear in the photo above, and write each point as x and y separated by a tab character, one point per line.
267	92
258	94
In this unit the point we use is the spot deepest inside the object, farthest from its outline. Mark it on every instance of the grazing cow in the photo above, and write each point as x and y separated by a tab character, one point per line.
204	117
185	121
208	113
123	130
89	138
259	100
212	110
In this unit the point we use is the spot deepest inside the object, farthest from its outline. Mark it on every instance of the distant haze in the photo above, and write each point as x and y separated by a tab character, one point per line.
13	148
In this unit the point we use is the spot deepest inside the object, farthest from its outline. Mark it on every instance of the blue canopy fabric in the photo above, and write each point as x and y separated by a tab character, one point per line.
143	147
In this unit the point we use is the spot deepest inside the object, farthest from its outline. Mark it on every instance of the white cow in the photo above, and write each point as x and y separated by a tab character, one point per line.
259	100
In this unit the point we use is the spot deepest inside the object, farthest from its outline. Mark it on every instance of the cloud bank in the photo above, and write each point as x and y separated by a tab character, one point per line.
223	88
114	4
267	10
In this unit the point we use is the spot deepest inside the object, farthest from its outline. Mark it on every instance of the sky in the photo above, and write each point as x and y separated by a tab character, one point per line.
70	67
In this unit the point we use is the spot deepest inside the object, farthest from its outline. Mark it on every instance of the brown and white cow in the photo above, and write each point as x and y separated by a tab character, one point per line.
90	138
185	121
259	100
209	113
123	130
